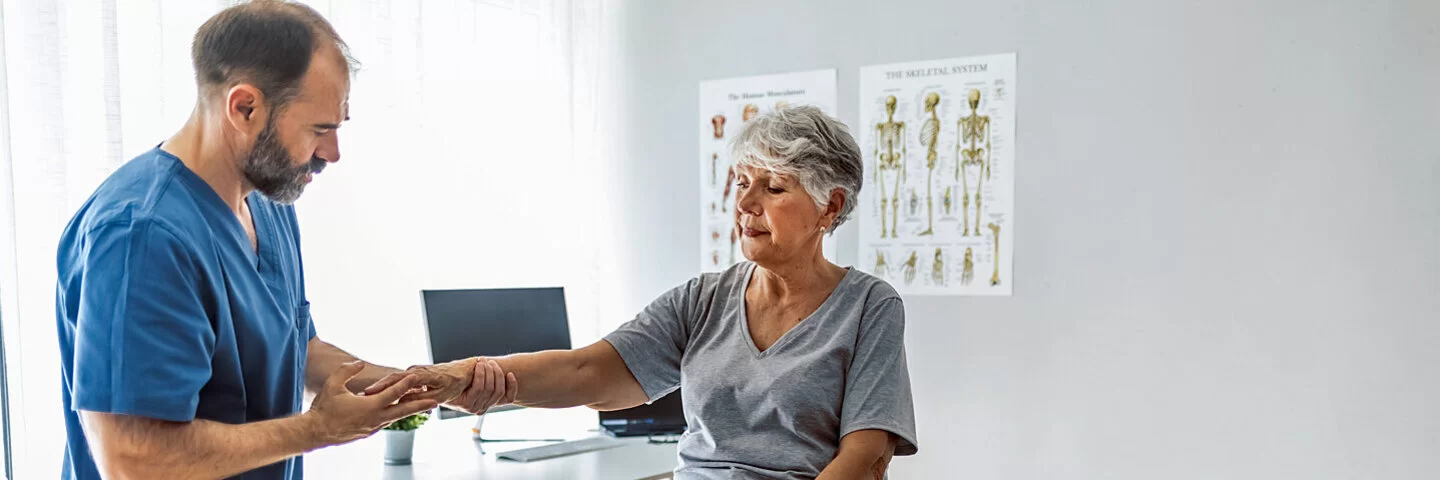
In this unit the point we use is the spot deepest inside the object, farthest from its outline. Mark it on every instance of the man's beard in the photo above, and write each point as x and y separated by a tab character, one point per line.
268	168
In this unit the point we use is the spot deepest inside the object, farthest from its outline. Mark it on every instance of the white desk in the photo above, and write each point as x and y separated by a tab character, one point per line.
444	450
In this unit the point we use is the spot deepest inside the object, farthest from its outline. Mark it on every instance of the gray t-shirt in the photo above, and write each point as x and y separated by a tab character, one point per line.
777	414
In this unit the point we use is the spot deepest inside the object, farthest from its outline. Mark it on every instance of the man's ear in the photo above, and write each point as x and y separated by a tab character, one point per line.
245	108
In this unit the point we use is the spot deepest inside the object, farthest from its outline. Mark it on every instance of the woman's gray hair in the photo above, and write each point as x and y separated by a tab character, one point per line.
805	143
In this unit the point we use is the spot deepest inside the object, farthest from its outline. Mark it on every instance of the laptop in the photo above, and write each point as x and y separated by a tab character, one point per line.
665	416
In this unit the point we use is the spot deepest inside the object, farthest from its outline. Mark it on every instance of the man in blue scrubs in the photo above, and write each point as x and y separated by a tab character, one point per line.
186	339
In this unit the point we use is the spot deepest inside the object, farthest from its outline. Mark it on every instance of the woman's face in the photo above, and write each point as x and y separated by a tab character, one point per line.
777	220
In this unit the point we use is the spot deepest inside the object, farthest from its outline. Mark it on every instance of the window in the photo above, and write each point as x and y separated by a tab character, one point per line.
454	173
457	169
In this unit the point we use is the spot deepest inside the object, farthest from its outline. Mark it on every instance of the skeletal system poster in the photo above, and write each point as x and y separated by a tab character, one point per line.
725	107
936	210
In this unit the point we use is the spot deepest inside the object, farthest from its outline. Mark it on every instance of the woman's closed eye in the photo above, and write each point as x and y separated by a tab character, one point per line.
769	187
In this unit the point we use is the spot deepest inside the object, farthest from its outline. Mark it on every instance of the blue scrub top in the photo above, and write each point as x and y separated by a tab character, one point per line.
165	311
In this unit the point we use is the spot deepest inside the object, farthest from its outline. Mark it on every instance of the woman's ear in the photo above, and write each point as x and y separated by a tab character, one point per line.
832	209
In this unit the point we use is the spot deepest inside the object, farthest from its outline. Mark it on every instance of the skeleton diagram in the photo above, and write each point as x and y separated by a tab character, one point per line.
910	268
929	138
733	235
887	135
948	202
714	159
973	129
718	122
914	203
995	279
937	272
882	269
968	274
729	182
750	111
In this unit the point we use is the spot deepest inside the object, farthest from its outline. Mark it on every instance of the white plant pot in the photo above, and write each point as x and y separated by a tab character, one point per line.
399	446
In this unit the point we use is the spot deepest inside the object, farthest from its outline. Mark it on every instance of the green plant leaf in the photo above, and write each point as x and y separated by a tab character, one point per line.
409	423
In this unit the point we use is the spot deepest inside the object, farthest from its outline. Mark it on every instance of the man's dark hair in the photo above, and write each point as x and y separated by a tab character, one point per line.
265	43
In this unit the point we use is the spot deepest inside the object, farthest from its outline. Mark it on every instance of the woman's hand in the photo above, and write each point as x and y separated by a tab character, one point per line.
472	385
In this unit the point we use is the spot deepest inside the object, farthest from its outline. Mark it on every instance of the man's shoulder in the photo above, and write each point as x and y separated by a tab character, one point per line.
147	191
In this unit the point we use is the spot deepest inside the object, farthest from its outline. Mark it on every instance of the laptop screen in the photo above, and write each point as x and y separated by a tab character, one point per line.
494	322
666	415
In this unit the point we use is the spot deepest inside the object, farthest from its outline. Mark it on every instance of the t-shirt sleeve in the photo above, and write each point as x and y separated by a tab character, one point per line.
143	341
877	386
654	342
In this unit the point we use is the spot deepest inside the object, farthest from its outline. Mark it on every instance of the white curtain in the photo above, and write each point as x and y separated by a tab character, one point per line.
473	160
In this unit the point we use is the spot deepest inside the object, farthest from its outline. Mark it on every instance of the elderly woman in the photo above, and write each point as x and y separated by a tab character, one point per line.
791	367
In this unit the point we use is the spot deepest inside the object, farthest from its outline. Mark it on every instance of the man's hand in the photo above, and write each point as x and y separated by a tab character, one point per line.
489	386
441	382
338	416
472	385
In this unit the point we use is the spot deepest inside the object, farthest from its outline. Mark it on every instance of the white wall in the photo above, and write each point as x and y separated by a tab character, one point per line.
1231	218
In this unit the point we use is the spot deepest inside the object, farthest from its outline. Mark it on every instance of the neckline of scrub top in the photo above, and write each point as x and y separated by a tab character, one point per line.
212	200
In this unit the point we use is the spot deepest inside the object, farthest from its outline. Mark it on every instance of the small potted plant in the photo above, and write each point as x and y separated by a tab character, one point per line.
400	439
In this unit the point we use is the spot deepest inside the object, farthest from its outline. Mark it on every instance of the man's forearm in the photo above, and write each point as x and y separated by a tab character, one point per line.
323	358
143	448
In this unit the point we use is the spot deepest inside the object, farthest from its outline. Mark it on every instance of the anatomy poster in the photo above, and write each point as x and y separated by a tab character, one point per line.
725	107
937	208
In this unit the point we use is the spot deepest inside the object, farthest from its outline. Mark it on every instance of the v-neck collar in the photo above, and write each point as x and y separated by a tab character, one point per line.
209	198
262	239
794	331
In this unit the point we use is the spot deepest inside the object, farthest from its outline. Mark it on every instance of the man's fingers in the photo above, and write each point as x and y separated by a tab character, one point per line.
478	391
436	395
497	384
512	389
470	398
399	389
384	383
405	409
492	377
485	395
342	376
477	378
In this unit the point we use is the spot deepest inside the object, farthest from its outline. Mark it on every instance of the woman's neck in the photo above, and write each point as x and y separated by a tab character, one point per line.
797	279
